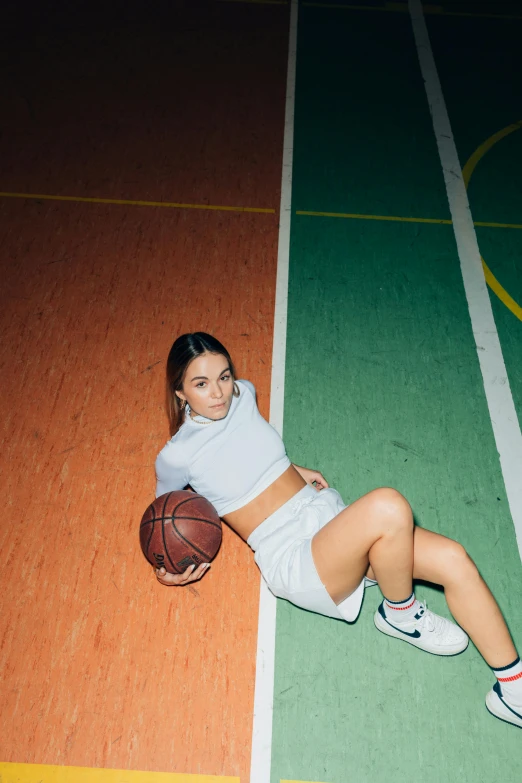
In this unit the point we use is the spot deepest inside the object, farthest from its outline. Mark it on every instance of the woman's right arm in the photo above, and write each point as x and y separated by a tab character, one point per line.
172	475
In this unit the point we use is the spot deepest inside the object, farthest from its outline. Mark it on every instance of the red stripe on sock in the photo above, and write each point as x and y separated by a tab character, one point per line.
399	608
510	679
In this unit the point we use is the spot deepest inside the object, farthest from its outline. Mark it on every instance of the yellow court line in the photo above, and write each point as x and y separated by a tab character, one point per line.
346	7
175	205
394	218
497	225
501	292
399	219
467	171
497	288
402	8
479	153
169	204
481	16
294	781
491	280
50	773
257	2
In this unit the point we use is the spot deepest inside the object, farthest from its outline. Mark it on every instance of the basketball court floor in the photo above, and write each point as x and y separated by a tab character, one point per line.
269	172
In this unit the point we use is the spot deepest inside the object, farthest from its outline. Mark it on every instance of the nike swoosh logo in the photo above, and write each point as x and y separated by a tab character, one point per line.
498	691
413	635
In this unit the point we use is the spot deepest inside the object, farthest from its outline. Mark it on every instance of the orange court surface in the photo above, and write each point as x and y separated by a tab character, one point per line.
102	668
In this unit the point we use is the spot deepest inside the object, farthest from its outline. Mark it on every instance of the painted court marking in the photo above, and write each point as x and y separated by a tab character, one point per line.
470	166
402	8
261	760
491	280
50	773
504	420
356	216
168	204
467	171
257	2
401	219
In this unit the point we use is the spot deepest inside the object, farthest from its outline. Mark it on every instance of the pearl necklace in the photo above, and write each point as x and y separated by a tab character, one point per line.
194	419
208	421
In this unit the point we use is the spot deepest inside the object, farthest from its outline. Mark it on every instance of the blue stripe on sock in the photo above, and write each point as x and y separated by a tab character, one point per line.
396	603
505	668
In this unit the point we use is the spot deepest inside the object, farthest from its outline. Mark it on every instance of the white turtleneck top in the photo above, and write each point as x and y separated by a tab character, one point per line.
229	461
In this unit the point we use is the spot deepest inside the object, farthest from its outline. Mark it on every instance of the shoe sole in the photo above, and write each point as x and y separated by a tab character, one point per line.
496	708
389	630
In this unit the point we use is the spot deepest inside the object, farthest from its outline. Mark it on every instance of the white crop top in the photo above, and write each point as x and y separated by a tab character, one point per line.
230	461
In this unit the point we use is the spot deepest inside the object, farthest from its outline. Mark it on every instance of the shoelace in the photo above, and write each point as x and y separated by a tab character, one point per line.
430	621
427	621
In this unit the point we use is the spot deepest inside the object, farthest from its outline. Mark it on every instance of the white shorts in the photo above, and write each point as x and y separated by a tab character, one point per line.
283	552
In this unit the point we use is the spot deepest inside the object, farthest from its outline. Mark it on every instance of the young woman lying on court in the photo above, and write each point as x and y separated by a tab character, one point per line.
311	548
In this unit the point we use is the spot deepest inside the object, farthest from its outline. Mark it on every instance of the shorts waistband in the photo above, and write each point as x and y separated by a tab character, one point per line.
280	517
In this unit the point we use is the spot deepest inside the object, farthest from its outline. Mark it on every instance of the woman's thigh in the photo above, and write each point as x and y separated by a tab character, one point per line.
341	548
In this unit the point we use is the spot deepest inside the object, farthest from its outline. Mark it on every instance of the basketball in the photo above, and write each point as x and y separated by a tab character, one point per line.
180	529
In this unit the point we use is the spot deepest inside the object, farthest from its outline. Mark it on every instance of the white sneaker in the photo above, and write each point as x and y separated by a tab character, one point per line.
426	630
498	706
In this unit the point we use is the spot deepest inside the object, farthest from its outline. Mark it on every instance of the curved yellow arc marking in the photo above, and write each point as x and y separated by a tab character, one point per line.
467	171
501	292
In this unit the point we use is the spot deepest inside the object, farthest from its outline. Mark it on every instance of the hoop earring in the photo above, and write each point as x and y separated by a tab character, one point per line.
236	390
182	404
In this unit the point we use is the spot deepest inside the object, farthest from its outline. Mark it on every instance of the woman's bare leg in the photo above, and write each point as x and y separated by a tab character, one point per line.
375	536
376	530
445	562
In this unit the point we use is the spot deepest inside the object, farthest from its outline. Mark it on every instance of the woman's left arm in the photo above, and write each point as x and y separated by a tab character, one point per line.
311	476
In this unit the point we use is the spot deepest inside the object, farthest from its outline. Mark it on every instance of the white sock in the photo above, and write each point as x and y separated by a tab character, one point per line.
510	679
403	611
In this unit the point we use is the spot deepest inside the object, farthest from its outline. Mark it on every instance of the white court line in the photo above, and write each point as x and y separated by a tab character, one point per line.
506	427
265	660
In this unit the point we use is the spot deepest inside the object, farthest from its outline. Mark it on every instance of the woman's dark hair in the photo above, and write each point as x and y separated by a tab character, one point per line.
186	348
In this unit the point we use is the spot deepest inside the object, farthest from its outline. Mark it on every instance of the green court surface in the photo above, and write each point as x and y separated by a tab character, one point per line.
481	79
383	386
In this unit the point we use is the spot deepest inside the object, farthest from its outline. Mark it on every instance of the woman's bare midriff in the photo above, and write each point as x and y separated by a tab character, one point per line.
246	519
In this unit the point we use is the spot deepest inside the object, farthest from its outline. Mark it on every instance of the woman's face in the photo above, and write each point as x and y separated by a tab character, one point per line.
208	386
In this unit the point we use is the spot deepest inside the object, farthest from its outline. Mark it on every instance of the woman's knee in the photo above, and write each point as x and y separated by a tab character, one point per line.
388	504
